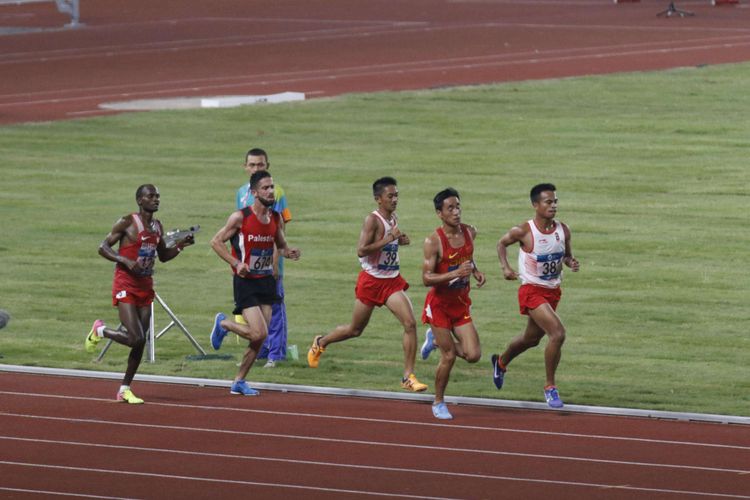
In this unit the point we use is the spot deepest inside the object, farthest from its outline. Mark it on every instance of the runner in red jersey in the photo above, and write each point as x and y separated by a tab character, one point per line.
252	233
447	268
140	242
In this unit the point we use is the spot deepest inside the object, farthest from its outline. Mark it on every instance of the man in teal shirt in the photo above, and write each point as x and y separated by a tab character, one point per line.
274	348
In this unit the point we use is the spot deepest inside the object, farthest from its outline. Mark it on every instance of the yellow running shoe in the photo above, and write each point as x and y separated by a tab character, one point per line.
313	355
128	397
412	384
92	338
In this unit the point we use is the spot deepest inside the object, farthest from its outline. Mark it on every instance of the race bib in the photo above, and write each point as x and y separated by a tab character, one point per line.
549	267
457	283
261	261
146	259
389	258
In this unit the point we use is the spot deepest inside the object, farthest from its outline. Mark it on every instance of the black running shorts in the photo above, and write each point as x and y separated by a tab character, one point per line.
254	292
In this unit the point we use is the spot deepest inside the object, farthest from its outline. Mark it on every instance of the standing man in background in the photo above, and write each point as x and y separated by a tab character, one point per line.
274	348
545	247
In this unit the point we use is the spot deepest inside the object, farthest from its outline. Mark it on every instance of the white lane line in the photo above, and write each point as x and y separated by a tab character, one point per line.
224	481
380	468
371	493
514	57
386	421
60	493
349	33
330	74
384	444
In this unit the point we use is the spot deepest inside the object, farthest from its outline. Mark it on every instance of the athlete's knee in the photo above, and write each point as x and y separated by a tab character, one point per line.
448	356
557	335
474	355
136	341
354	330
410	326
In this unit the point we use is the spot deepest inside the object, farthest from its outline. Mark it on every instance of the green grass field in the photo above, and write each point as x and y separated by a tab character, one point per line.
652	176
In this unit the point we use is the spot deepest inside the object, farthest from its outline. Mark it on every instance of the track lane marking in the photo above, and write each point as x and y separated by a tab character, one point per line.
384	444
370	493
386	421
375	467
222	481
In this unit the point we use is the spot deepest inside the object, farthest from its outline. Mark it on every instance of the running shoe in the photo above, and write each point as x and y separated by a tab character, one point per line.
429	344
411	383
218	333
127	396
93	338
270	364
313	355
498	374
241	387
440	410
553	397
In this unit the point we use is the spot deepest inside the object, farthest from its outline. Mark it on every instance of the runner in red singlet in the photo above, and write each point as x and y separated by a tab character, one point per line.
447	268
140	242
252	233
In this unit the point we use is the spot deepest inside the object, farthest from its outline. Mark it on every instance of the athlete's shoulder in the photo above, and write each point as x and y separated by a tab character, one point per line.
433	239
565	228
523	227
471	229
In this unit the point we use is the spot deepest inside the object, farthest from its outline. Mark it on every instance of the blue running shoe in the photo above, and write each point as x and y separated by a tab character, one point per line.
440	411
241	387
429	344
553	397
218	333
498	374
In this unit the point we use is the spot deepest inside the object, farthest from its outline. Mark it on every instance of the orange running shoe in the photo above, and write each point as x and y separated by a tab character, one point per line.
412	384
313	355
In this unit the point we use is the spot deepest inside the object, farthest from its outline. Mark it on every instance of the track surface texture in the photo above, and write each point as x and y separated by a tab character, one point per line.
141	49
62	435
65	436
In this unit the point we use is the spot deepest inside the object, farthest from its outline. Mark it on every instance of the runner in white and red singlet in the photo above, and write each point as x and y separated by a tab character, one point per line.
140	242
379	283
545	247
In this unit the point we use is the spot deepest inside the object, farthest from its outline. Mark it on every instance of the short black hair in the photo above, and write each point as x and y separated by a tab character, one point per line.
258	152
257	177
444	195
379	185
538	189
141	189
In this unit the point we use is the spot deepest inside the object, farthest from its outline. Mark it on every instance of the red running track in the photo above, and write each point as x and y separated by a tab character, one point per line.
145	49
67	436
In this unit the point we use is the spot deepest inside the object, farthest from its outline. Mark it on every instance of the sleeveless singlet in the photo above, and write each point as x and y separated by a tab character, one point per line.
543	265
385	263
253	243
450	259
143	250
